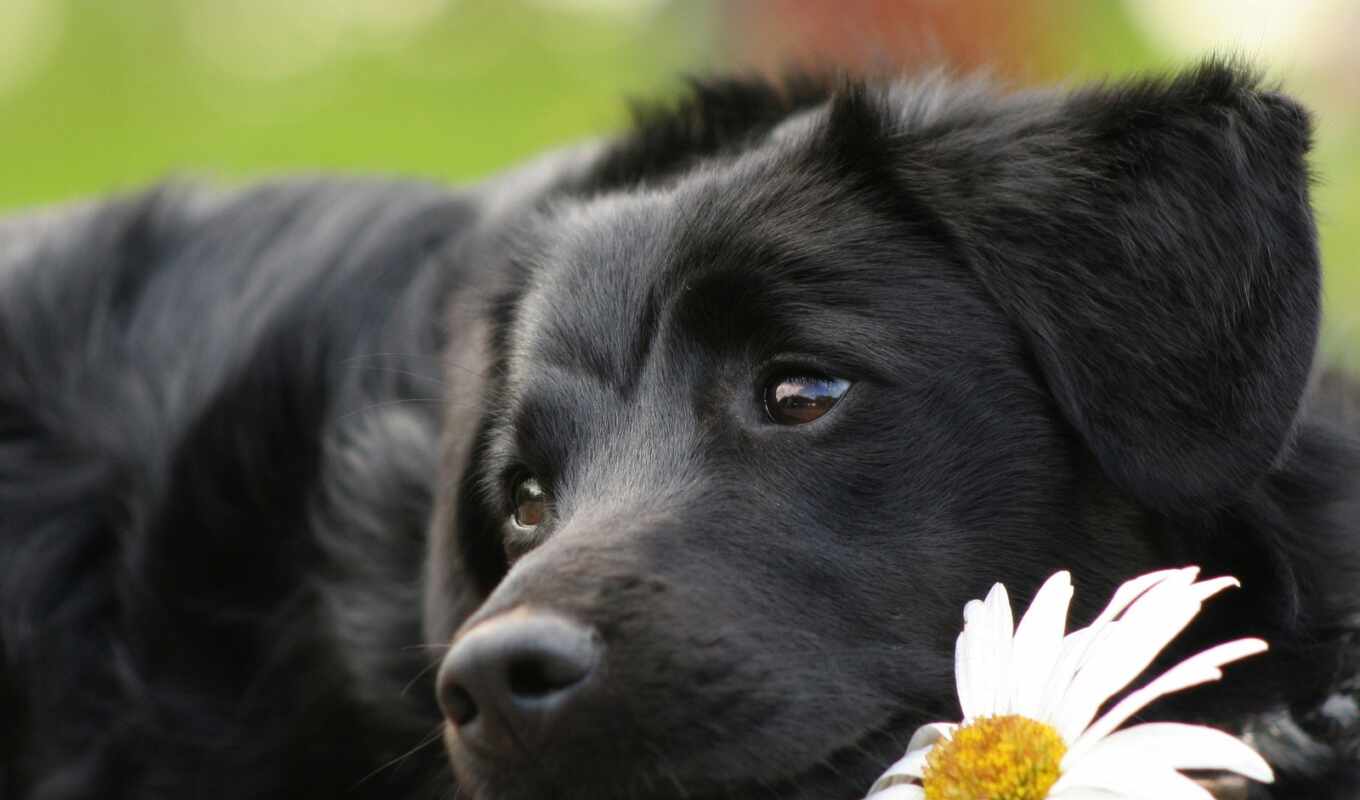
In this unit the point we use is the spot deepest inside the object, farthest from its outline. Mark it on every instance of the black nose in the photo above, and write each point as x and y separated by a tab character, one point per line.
511	679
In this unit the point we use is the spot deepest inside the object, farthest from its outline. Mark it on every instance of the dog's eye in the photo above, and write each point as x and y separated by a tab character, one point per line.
530	502
797	399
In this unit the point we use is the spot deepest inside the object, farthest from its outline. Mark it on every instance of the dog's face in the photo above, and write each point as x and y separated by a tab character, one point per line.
761	430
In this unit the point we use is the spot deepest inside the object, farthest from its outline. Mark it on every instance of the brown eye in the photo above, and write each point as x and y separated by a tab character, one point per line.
531	504
797	399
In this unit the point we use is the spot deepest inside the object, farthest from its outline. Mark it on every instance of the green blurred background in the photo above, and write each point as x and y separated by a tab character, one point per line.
99	96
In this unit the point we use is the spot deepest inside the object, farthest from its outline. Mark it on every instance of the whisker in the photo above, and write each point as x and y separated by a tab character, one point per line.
388	404
428	356
426	742
480	372
420	675
407	372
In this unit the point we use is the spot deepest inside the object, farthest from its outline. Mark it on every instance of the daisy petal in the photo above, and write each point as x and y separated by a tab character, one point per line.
964	669
1131	590
1200	668
982	653
969	658
1000	629
927	735
1038	644
1085	793
1178	746
972	611
912	765
1131	781
1206	589
902	791
1080	644
1075	646
1146	627
908	767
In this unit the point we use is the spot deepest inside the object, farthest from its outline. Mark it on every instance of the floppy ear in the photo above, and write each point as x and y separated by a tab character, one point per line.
1154	242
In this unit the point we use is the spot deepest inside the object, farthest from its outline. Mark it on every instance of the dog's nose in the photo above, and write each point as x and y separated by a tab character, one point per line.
508	680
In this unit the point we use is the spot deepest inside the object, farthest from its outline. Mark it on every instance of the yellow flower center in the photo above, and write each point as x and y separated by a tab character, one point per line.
1006	757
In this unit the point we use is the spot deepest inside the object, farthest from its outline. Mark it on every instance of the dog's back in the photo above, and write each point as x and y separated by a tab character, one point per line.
210	405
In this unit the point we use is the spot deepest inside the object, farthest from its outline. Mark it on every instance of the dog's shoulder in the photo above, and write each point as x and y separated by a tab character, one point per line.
183	287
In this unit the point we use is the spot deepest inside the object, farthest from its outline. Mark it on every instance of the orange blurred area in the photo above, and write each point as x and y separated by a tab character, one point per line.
886	36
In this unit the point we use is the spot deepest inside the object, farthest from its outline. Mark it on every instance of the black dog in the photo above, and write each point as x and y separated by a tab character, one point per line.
693	443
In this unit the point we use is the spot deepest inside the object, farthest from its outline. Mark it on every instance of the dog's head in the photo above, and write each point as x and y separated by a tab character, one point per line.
761	423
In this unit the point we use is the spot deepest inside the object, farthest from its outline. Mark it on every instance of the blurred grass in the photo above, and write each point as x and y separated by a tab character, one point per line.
126	100
139	90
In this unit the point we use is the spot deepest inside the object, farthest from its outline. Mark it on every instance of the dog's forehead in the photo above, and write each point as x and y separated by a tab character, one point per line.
611	267
785	225
594	282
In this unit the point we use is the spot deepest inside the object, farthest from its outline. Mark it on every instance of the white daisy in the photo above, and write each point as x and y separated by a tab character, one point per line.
1030	695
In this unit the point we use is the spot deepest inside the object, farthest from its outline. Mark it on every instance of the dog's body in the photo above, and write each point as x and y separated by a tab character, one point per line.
255	448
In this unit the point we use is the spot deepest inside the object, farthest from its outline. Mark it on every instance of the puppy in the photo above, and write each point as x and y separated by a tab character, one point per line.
662	467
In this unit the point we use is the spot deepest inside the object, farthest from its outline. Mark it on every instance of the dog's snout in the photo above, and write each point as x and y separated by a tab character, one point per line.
511	678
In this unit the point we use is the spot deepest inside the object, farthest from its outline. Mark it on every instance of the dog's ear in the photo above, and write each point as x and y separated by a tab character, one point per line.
1154	242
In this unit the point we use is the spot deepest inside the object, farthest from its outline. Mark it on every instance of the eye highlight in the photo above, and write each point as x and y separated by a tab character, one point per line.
529	502
800	399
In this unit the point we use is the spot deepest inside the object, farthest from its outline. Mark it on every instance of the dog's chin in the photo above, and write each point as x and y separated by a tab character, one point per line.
844	774
479	777
483	776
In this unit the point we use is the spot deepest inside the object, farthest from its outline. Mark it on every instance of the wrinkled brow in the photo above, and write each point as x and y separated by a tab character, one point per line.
762	300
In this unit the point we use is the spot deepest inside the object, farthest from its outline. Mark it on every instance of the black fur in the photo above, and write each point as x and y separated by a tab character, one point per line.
255	447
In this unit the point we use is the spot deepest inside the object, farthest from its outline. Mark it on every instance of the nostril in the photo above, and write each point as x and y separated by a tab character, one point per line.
458	704
545	673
